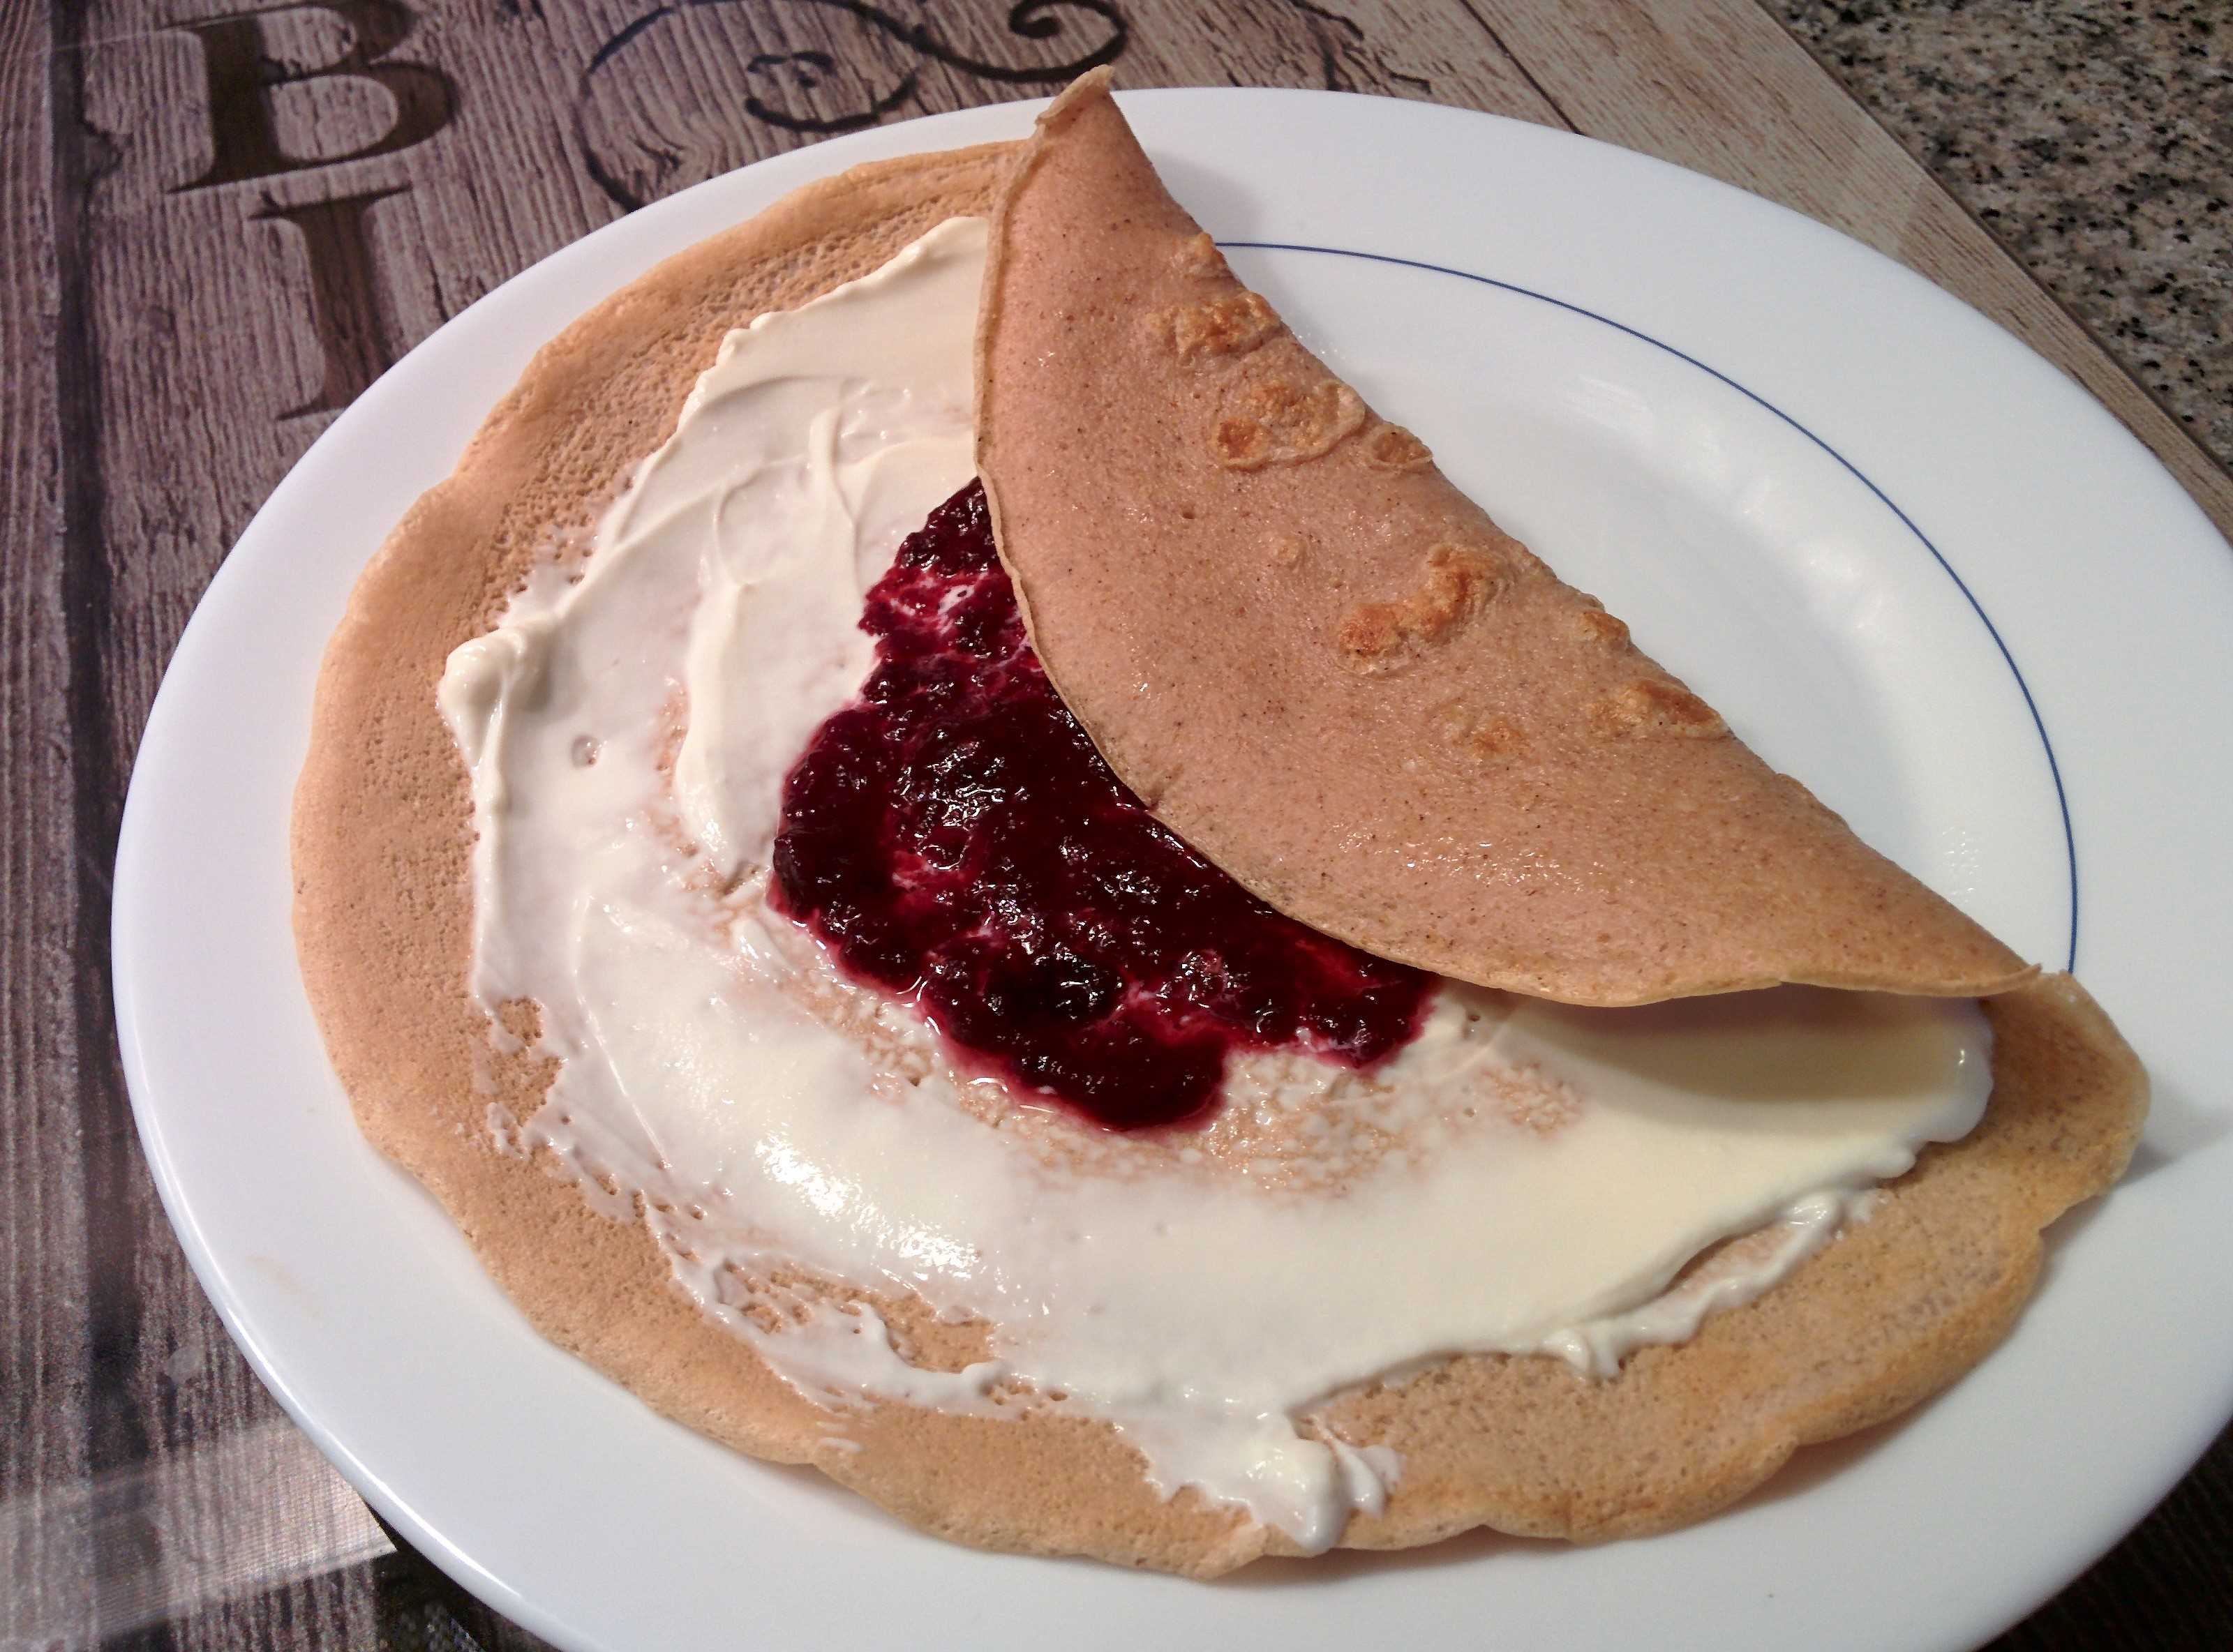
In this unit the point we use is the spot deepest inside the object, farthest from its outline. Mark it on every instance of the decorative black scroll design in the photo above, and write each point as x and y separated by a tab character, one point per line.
808	72
809	66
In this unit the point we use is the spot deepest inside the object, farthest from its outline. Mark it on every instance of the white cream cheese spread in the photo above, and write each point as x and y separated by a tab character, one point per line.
1521	1178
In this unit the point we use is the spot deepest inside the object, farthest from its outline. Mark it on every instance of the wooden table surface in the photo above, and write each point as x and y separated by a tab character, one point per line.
221	218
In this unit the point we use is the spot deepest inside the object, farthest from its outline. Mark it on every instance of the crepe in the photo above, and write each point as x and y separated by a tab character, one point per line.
382	829
1327	670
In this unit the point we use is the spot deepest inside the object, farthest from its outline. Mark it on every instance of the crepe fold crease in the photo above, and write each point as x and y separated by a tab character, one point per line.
382	827
1326	669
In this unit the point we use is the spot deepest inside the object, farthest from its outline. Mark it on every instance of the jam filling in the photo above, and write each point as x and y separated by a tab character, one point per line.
953	837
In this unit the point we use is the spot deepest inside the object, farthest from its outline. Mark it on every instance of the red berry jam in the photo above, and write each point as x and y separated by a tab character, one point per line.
953	837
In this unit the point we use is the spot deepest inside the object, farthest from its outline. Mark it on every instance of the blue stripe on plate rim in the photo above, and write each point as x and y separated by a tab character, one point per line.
2053	769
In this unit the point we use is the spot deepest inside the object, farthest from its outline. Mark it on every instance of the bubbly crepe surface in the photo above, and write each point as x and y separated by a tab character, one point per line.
1331	673
1893	1310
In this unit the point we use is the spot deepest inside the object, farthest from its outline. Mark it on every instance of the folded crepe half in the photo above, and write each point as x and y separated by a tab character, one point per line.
1325	667
382	828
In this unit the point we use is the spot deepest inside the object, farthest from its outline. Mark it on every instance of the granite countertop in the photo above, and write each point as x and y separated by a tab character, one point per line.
2094	139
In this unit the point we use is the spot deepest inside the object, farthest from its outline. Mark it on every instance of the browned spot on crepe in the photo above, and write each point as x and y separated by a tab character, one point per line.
1198	254
1495	740
1285	413
1653	706
1324	788
382	919
1229	324
1394	448
1379	636
1595	625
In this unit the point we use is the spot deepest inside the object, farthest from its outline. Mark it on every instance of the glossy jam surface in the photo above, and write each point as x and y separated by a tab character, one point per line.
953	837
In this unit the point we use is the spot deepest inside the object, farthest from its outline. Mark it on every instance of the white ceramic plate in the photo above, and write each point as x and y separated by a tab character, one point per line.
1906	556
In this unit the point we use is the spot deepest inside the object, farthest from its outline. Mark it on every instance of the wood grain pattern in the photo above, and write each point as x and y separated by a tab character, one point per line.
171	345
45	1344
